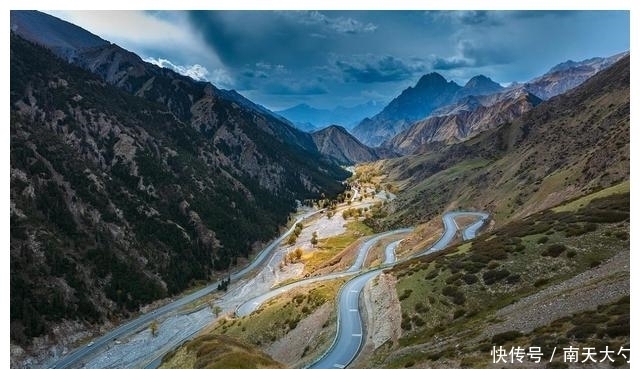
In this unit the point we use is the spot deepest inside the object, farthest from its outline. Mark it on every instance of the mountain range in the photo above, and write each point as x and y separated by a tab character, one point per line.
464	120
130	182
568	146
308	118
434	96
431	92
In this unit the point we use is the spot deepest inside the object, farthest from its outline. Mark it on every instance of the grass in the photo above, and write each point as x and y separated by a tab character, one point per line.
574	205
212	351
328	248
454	293
278	316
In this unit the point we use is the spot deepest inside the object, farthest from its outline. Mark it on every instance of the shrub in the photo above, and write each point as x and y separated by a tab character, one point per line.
421	308
434	273
502	338
405	294
418	321
541	282
492	276
554	250
458	313
582	331
453	278
470	279
513	279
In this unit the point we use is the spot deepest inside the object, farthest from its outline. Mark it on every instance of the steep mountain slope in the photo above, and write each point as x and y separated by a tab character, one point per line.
567	75
414	103
187	99
570	145
308	118
63	38
119	200
567	270
469	119
337	143
431	92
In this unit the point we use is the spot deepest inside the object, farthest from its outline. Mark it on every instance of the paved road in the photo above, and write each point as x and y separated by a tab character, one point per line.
349	335
350	331
250	306
450	229
364	249
390	252
81	353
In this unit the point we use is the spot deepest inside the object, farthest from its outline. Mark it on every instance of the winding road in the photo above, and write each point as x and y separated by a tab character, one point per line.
349	335
350	322
76	357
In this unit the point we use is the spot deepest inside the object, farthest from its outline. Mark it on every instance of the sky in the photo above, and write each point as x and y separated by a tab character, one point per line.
330	58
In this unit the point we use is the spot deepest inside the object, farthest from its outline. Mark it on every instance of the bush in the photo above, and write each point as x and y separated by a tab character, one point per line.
470	279
458	313
492	276
554	250
502	338
513	279
541	282
418	321
405	294
582	331
421	308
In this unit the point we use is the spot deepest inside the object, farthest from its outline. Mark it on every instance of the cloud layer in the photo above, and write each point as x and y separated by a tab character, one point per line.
329	58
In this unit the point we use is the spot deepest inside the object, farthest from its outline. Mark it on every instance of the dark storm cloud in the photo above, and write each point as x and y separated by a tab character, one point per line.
335	55
338	24
450	63
300	38
371	68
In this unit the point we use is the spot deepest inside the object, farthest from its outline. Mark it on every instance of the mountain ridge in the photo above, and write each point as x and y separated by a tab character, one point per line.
431	92
124	192
310	119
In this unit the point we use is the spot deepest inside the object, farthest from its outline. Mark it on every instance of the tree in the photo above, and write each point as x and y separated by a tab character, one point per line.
154	328
292	239
216	310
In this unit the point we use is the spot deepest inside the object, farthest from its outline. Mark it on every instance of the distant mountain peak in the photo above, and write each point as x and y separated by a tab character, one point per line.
430	79
480	80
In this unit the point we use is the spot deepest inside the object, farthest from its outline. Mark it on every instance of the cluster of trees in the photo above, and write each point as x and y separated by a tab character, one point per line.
294	235
293	256
353	213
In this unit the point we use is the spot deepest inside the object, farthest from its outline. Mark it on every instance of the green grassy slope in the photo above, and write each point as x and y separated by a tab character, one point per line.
567	147
450	300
